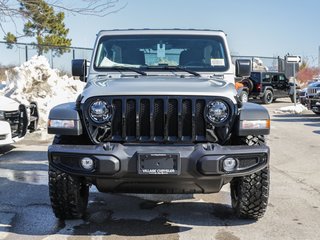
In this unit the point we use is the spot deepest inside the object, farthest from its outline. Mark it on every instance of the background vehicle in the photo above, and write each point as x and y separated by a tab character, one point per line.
159	114
313	97
268	86
302	95
15	120
242	92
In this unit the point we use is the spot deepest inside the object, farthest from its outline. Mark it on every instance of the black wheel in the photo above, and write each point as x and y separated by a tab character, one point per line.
249	194
244	96
34	117
68	194
316	112
267	97
33	125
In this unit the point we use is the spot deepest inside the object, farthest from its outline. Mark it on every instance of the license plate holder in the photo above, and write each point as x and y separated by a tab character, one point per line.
159	163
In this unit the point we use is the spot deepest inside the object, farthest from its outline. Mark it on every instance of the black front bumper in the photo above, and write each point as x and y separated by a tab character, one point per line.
116	167
314	104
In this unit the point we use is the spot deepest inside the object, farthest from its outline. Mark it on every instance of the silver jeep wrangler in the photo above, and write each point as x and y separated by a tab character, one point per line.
159	114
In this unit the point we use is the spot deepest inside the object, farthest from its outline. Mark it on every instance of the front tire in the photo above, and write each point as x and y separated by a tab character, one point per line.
244	97
68	194
249	194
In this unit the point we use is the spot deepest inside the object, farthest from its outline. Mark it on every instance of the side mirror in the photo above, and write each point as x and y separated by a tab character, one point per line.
79	69
243	67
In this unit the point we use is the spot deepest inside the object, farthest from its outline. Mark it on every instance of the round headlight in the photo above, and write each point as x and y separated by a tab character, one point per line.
217	112
100	111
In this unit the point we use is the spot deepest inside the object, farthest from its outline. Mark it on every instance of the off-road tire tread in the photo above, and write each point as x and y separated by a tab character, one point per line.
252	190
65	194
264	98
68	194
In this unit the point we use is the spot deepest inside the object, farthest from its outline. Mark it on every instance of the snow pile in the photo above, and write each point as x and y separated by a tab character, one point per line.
299	108
258	65
35	81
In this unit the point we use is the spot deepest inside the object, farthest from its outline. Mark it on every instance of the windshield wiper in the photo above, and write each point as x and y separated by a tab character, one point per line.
119	68
166	67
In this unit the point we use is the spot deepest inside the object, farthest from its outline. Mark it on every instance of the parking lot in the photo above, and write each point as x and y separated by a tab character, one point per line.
293	211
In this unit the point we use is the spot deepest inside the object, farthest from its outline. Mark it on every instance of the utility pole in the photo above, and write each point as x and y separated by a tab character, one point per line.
294	60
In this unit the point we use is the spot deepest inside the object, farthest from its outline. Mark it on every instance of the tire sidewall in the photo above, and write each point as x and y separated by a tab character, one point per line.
244	97
268	97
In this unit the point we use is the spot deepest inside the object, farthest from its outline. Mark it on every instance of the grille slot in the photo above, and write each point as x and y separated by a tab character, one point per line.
145	118
116	123
158	118
131	119
187	117
172	119
200	126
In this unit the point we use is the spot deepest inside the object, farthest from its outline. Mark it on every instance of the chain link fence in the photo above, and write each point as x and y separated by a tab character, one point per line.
18	53
272	64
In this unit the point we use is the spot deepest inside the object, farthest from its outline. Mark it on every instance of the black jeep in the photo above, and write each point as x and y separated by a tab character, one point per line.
268	86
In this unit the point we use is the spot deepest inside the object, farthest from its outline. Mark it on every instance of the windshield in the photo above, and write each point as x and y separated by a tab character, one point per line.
199	53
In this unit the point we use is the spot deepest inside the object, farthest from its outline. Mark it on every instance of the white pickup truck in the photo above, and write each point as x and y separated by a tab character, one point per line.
16	119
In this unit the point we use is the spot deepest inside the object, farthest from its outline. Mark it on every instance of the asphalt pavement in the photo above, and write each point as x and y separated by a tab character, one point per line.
293	210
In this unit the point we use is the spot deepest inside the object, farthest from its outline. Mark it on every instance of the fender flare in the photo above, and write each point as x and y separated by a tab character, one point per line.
66	111
252	111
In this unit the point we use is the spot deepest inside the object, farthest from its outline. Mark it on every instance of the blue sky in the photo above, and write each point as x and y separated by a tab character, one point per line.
263	28
259	28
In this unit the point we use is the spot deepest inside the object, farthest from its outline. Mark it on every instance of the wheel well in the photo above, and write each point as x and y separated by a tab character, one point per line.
268	88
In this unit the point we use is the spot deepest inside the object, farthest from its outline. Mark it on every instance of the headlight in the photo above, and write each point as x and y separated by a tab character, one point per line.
1	115
100	111
54	123
217	112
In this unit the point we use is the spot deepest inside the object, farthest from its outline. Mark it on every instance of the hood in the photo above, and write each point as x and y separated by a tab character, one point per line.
7	104
159	86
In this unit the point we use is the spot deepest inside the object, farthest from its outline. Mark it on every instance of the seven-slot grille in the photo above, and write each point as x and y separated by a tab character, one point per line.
155	119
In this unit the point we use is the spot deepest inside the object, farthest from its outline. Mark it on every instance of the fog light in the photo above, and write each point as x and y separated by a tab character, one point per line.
87	163
229	164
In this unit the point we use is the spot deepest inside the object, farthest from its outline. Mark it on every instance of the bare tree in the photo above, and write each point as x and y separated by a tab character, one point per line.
10	10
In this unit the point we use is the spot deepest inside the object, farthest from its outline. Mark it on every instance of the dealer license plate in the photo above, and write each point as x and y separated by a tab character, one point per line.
159	164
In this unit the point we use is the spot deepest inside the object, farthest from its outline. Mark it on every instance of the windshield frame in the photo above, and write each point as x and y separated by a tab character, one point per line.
219	38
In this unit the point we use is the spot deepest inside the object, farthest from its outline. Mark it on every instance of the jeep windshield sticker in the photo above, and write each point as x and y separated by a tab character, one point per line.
217	62
161	50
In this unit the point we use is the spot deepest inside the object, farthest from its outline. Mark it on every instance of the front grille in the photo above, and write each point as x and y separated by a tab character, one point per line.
312	90
151	119
13	118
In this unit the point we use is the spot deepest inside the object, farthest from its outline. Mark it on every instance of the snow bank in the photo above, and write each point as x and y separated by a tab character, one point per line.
258	65
299	108
35	81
